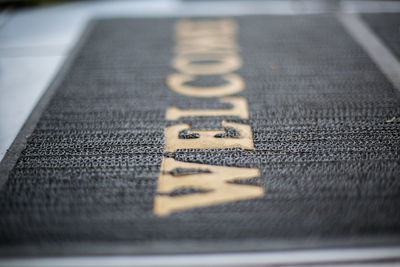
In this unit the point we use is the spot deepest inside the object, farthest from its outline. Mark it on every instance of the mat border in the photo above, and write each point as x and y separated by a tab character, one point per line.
14	151
384	255
376	48
198	247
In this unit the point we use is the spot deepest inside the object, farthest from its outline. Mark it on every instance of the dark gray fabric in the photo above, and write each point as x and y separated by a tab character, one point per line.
387	27
321	115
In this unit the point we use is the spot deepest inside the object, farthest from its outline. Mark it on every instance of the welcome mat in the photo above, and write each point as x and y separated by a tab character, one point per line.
178	135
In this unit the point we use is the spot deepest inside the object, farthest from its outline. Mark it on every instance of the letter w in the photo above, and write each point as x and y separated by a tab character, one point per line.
213	184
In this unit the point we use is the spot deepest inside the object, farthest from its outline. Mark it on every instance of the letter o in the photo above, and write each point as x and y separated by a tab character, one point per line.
176	82
224	64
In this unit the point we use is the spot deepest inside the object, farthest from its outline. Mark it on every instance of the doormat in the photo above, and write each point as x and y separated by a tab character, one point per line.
189	135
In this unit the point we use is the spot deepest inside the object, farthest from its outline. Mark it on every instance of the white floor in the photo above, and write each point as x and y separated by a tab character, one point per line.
333	257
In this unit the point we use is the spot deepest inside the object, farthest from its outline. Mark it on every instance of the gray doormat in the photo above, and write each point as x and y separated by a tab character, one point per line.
324	142
387	27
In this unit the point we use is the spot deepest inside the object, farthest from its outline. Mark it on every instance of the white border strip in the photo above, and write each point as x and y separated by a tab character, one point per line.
370	6
381	55
331	256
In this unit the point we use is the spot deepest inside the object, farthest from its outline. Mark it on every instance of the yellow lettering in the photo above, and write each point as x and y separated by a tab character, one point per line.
176	82
208	138
214	179
239	109
198	65
207	45
188	28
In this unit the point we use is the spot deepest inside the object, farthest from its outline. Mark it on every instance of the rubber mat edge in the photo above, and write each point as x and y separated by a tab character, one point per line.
13	152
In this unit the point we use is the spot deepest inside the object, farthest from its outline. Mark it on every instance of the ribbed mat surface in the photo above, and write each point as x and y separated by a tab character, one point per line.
387	27
323	120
